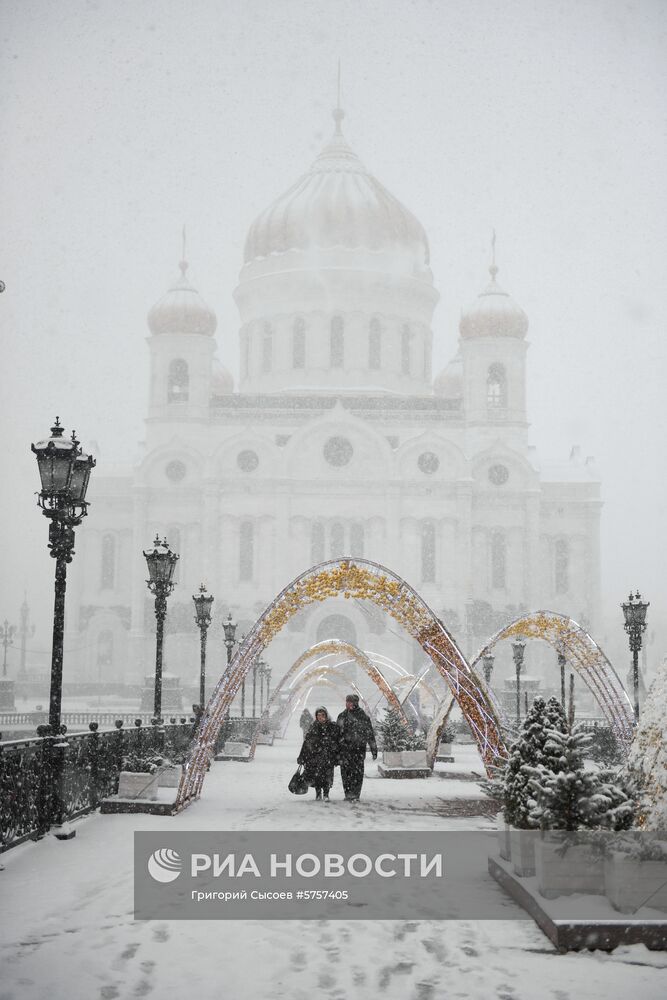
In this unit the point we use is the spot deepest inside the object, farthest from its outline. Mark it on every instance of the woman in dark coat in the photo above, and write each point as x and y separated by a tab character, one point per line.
319	753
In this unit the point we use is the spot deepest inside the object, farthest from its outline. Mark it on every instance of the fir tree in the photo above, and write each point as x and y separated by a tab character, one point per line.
526	755
570	797
555	717
394	734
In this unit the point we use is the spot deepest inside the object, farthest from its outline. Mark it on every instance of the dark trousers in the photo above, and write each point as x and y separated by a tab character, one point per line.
352	772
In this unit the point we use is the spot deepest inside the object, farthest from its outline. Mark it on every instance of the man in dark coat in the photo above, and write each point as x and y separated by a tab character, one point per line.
319	753
356	732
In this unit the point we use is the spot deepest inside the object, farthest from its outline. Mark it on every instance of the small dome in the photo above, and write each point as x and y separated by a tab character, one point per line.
493	314
449	382
182	310
222	380
338	204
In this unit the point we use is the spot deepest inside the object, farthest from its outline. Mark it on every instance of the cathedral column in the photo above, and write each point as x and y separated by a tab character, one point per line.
139	593
531	594
208	540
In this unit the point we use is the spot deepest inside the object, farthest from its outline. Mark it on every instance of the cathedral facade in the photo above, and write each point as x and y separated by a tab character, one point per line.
335	439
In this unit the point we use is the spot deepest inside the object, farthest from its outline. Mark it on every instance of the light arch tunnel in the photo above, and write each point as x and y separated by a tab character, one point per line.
365	580
359	579
300	668
315	676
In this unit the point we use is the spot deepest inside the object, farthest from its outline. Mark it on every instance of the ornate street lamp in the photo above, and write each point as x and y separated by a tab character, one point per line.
518	650
7	633
263	677
229	627
243	688
203	602
634	611
488	660
256	666
64	470
562	663
161	563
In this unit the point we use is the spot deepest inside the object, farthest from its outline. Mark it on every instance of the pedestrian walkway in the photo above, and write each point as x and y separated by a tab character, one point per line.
68	929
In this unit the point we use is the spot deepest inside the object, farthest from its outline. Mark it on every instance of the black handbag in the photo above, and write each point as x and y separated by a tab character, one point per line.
298	784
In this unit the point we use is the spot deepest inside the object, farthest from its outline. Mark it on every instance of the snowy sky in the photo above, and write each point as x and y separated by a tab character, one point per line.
545	120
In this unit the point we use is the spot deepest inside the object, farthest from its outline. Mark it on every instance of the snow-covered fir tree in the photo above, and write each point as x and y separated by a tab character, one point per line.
526	754
646	766
393	733
570	797
395	736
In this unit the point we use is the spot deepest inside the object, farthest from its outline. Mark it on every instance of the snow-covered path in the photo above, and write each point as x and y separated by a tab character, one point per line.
68	929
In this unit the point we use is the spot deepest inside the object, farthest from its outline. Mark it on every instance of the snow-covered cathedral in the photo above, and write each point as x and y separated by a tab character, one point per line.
335	439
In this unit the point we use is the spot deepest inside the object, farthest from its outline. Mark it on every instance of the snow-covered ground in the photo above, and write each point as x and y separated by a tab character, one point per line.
68	929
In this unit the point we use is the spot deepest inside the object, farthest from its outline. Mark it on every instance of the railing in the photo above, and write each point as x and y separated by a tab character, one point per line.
11	719
81	769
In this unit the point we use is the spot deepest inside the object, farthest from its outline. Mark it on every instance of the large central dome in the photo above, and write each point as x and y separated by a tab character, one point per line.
338	205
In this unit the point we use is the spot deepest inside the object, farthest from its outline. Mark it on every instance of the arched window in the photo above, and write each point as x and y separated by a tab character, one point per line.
561	566
337	540
178	382
337	343
496	387
405	350
428	552
317	543
246	551
299	343
357	539
267	348
108	573
374	344
336	627
104	653
498	560
174	540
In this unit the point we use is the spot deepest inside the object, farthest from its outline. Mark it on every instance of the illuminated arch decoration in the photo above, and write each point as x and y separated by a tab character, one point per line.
584	656
358	579
331	647
316	676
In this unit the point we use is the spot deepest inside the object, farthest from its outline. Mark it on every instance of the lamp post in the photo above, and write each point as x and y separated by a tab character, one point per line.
518	650
64	471
229	628
243	689
263	676
7	639
255	668
562	663
488	660
25	631
634	611
161	562
203	602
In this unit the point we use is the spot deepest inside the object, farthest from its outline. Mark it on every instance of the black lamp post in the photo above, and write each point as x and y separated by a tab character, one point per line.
256	666
263	677
562	663
243	690
161	563
634	610
203	602
488	660
64	470
518	650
